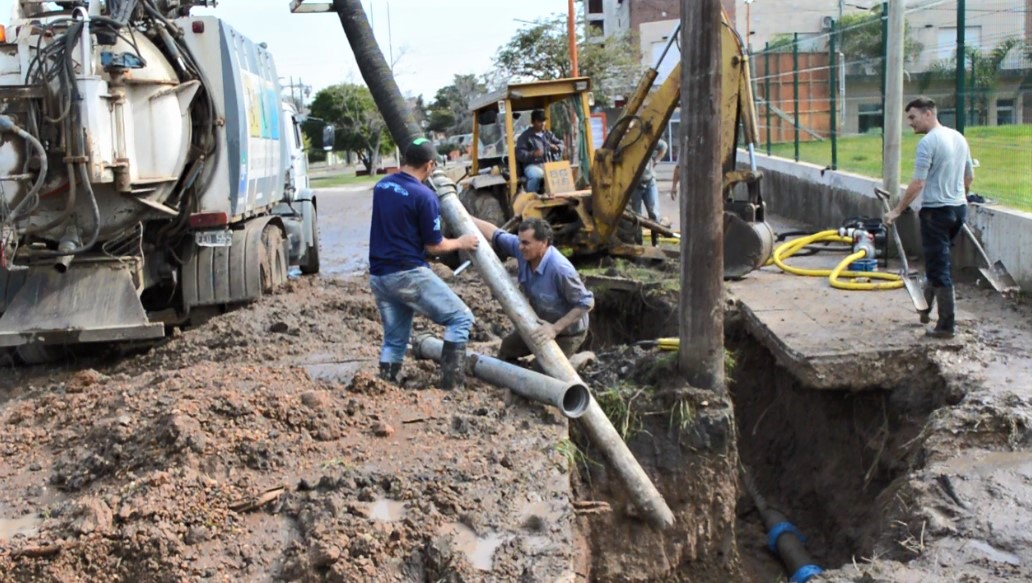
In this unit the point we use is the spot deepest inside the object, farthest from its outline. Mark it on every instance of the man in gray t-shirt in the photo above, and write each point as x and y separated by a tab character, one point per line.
943	173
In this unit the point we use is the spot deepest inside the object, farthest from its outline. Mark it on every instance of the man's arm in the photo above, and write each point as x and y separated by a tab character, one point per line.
524	149
569	284
677	180
913	191
486	228
463	243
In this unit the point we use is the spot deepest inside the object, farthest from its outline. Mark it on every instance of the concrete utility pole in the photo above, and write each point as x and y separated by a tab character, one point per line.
701	316
571	33
892	134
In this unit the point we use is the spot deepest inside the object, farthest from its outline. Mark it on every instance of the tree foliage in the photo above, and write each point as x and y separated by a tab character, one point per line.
360	128
862	41
449	113
982	75
541	52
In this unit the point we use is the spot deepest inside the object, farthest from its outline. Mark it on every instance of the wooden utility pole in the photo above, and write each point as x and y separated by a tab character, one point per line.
701	316
892	136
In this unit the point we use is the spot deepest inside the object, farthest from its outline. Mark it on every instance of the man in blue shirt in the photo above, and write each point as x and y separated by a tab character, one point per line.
406	224
549	281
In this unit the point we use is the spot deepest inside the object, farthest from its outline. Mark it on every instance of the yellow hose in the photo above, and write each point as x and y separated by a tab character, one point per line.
786	250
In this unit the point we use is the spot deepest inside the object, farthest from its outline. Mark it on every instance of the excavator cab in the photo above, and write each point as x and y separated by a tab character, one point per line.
496	190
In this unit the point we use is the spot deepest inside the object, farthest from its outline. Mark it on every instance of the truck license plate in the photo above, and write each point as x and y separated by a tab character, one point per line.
214	238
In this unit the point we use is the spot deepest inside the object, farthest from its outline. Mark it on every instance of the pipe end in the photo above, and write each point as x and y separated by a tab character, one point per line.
575	400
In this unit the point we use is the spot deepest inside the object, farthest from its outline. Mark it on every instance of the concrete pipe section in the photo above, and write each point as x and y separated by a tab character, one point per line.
571	398
594	422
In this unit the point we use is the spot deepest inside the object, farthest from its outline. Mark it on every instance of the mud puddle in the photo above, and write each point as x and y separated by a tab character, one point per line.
386	510
479	550
25	526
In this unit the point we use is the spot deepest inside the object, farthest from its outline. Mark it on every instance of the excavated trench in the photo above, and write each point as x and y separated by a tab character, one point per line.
827	459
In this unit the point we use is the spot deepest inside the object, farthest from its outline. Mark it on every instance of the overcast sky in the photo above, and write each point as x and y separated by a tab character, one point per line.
435	39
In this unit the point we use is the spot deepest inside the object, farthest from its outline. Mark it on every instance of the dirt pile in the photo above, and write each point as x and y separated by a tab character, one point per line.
260	446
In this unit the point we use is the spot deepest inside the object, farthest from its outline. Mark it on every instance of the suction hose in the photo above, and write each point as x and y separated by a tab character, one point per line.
786	250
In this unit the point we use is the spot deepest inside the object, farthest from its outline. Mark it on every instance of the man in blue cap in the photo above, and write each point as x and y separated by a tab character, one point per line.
406	225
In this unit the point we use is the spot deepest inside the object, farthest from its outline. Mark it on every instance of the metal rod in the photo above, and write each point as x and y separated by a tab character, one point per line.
795	92
766	91
670	43
571	398
961	58
833	81
552	360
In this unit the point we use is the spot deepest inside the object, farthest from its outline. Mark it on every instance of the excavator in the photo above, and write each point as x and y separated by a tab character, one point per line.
595	220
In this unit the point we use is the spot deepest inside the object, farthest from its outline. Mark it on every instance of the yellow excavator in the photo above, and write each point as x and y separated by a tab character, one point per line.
597	220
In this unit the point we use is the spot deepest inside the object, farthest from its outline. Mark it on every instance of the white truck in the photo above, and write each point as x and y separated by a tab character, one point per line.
148	167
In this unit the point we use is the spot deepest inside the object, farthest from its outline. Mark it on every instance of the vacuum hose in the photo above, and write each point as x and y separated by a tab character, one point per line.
786	250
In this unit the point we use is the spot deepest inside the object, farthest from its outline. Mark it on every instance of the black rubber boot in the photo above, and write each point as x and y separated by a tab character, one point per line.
389	371
929	296
453	365
944	328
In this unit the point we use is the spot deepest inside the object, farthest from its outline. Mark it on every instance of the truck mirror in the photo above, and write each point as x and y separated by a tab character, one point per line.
328	135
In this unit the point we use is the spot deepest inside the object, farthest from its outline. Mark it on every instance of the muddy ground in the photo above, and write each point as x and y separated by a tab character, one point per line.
259	446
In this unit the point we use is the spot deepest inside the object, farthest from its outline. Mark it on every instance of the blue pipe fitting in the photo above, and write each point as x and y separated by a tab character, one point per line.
805	573
779	529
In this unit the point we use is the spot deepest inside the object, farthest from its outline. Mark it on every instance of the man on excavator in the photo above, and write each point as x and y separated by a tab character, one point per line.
534	147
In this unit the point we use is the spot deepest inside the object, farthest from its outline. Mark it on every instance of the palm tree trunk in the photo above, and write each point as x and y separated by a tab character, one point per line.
376	72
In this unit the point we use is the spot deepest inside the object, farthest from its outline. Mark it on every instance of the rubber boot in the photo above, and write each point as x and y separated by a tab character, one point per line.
929	296
389	371
944	328
453	365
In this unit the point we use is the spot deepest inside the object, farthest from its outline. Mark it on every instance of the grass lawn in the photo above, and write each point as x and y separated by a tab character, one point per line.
1004	154
348	179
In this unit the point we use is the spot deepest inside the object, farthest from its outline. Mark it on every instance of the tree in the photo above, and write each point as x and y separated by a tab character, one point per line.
541	52
360	128
862	41
983	76
449	112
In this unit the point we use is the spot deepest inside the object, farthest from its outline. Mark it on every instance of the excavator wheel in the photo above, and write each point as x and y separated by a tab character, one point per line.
484	204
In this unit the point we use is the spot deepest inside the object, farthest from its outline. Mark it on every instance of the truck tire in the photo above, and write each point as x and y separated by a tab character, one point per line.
37	353
273	260
310	263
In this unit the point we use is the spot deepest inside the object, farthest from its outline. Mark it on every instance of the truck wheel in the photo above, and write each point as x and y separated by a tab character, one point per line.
310	263
272	260
37	353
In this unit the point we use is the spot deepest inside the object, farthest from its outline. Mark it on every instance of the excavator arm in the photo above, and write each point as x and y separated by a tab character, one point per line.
619	163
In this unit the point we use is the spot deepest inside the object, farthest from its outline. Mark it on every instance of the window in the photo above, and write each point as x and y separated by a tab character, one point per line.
595	7
1004	112
870	117
597	28
947	40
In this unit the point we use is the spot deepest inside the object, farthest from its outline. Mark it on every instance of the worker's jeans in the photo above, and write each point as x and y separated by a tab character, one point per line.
401	295
648	193
939	226
534	174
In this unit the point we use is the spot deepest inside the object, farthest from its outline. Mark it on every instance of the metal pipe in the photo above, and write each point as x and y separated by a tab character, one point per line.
571	398
67	246
552	360
85	42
